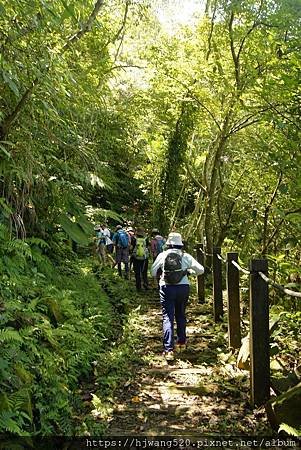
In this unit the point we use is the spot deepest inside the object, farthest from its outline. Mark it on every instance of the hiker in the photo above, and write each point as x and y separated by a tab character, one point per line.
157	246
140	254
100	244
109	243
131	233
157	243
121	242
174	290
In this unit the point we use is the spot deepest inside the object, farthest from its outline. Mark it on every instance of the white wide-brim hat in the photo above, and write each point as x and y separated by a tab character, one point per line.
174	239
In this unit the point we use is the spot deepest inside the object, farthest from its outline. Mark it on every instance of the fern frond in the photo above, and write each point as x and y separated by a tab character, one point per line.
21	400
9	335
37	241
4	232
19	246
7	423
54	307
4	402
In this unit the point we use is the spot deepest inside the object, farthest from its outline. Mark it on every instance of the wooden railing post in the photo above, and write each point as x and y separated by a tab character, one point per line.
259	334
217	285
234	334
201	278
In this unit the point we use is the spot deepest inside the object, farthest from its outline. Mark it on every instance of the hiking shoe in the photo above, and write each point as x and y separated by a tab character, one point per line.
169	356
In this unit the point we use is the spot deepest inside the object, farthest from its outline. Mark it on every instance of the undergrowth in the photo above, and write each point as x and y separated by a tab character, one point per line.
56	325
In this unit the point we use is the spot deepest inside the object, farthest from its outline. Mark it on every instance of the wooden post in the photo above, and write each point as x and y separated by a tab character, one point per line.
217	285
259	334
234	334
201	278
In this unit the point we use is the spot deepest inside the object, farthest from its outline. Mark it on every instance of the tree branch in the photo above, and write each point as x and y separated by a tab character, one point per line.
282	115
125	66
206	109
121	30
266	215
192	96
86	27
245	122
234	56
195	180
211	32
276	229
7	122
10	118
255	24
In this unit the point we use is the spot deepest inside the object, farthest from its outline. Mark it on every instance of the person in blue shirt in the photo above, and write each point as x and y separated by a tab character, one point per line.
121	241
174	265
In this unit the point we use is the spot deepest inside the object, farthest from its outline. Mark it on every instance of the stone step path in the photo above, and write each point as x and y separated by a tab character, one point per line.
200	392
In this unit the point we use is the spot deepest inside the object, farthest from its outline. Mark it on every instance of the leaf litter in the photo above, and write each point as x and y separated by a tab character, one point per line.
200	392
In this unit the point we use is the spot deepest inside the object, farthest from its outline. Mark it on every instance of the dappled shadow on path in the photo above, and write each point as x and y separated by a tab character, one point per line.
200	392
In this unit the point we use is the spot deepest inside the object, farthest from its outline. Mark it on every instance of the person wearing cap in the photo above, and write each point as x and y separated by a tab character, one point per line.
139	258
174	294
130	232
157	243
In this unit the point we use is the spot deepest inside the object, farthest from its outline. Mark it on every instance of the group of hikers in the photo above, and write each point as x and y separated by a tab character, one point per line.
171	266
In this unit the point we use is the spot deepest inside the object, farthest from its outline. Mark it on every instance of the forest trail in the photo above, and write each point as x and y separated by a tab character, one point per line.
200	392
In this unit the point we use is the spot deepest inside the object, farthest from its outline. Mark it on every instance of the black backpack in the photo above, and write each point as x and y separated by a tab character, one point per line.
173	272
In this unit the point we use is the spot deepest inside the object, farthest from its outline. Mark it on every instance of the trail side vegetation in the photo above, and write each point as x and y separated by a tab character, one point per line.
108	116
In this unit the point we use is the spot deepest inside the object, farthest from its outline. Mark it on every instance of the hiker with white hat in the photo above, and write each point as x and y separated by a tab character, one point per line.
174	265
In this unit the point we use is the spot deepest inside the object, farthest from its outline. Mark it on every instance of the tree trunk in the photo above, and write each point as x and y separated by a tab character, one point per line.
212	182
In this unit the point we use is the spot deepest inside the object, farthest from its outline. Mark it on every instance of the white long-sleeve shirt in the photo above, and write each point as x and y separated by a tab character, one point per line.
107	234
188	263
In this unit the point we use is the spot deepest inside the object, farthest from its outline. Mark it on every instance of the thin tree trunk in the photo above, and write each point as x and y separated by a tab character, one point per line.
210	200
266	217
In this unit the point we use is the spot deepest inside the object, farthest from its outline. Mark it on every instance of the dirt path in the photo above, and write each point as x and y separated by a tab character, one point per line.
201	392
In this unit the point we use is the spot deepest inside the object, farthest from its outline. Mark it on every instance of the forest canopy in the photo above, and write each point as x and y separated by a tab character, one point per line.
103	104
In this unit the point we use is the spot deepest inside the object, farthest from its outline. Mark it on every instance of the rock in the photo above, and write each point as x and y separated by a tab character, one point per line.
282	384
285	409
243	358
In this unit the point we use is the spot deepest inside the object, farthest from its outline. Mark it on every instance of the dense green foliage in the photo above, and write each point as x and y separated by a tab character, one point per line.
106	115
56	322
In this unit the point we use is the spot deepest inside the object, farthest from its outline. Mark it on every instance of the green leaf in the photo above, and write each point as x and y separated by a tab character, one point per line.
289	430
9	335
85	224
7	78
69	10
5	151
283	188
73	230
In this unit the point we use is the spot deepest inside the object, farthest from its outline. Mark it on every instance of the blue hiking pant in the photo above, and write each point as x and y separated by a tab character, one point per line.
173	299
